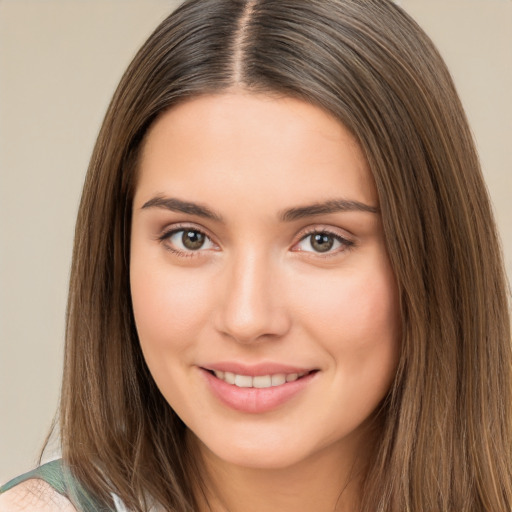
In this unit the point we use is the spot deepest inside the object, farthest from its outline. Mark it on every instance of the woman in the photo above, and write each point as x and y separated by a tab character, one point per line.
287	291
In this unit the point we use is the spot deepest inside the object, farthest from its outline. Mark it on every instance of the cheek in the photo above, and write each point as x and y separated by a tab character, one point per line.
356	320
364	305
170	306
358	327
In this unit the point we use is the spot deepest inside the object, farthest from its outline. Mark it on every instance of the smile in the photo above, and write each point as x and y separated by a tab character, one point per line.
260	381
258	389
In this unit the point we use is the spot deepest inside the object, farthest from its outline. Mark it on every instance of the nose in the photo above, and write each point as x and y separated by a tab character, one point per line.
252	306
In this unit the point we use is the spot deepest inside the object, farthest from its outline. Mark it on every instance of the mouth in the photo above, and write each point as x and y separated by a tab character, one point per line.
258	381
260	393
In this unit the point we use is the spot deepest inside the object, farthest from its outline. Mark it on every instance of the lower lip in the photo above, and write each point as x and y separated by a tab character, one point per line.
256	400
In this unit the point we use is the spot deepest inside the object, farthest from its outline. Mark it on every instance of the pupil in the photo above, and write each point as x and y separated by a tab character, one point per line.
322	242
192	239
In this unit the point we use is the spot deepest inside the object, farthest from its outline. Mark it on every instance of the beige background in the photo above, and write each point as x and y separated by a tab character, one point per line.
60	61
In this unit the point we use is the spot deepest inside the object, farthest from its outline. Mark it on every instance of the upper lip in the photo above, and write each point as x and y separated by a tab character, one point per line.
255	370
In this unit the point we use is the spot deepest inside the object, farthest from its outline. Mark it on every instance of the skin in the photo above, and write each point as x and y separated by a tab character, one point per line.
258	290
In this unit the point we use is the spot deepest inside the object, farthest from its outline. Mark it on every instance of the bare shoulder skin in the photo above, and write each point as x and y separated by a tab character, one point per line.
34	495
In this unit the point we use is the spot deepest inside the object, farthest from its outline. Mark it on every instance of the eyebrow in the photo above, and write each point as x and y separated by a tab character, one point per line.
331	206
288	215
177	205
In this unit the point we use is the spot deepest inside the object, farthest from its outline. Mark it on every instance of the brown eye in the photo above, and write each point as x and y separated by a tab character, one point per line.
192	240
322	242
186	241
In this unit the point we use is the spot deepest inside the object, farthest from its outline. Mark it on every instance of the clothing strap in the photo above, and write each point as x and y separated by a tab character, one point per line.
60	478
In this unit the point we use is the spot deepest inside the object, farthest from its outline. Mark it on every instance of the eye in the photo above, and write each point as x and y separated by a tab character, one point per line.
186	241
324	242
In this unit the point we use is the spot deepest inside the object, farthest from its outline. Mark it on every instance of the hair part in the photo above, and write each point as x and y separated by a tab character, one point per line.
445	441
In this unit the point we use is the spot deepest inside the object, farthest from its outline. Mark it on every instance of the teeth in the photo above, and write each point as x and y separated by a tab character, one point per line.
243	381
278	379
229	377
261	381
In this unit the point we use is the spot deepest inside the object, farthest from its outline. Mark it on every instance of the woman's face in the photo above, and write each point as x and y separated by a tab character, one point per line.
263	295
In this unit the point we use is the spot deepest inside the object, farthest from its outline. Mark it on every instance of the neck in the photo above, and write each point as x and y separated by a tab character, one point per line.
328	481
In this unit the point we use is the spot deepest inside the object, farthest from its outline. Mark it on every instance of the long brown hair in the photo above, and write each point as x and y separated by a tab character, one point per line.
445	442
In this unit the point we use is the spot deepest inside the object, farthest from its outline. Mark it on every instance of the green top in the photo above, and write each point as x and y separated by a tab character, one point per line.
62	480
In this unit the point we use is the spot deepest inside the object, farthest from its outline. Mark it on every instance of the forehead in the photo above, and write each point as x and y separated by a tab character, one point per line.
262	150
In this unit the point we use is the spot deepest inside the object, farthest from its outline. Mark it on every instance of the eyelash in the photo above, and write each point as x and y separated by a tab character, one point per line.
347	244
176	229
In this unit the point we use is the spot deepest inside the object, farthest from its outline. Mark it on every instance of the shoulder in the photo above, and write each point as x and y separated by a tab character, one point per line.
34	495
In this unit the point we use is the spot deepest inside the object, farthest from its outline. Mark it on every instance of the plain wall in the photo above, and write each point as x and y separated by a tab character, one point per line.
60	61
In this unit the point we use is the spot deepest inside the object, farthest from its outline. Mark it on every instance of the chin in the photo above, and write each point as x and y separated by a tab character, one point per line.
260	457
267	448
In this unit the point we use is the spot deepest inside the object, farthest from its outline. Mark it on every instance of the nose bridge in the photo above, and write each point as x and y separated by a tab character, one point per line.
253	306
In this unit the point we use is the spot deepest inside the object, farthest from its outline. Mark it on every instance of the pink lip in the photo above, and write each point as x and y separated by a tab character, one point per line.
254	370
255	400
